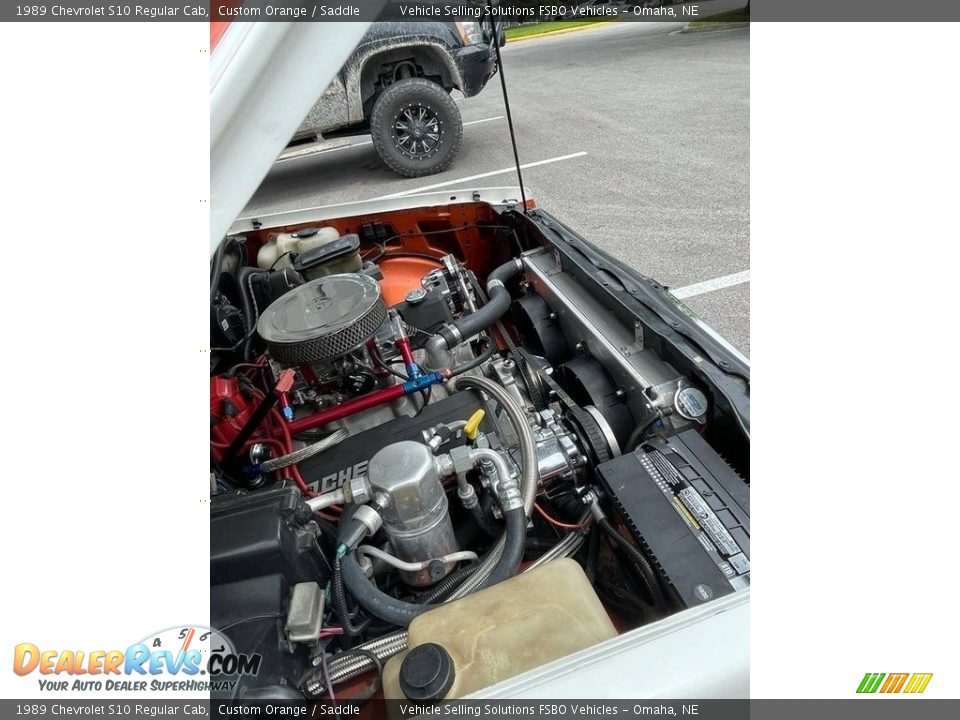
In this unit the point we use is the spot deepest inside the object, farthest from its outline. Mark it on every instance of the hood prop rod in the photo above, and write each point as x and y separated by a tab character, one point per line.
506	106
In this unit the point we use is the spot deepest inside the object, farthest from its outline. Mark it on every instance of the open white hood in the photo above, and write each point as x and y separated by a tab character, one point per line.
264	77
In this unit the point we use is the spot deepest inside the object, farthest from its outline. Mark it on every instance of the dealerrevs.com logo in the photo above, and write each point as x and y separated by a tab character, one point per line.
191	658
910	683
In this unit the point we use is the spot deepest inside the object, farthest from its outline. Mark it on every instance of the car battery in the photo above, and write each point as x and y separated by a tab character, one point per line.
688	511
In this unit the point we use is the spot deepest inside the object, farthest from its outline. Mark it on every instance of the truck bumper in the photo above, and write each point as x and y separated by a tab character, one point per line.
477	65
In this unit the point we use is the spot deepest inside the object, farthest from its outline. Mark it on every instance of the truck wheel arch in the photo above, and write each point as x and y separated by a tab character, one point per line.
431	60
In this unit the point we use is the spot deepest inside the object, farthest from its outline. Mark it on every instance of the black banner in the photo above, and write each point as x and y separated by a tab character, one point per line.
848	709
509	11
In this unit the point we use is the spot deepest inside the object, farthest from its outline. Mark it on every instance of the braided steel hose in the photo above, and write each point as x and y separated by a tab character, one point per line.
303	453
529	475
351	666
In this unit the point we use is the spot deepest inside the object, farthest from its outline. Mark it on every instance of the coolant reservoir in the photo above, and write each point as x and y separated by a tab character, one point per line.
277	253
492	635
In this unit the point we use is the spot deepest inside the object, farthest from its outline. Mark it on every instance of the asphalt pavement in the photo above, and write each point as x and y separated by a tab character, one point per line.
637	135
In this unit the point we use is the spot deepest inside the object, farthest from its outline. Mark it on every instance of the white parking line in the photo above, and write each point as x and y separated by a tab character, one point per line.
469	178
477	122
710	285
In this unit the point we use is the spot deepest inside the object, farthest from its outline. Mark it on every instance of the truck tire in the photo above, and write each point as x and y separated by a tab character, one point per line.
416	127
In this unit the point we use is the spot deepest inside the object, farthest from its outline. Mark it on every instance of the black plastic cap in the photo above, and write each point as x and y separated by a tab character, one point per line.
344	245
427	673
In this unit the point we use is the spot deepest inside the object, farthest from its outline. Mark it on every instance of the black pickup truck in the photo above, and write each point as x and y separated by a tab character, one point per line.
397	86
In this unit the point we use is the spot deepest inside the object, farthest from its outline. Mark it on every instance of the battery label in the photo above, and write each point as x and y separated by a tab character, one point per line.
708	519
715	538
740	563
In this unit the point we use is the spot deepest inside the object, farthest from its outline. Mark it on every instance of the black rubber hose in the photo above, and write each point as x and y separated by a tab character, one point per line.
479	516
364	591
442	589
496	307
374	600
248	301
539	545
517	356
340	601
640	430
402	613
643	565
476	362
593	555
516	533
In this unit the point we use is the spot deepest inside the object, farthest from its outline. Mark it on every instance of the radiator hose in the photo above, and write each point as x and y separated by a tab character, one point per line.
499	302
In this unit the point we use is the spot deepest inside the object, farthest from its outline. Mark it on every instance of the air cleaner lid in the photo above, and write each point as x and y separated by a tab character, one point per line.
323	319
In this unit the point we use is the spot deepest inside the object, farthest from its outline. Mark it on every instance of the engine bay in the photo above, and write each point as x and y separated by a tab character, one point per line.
450	444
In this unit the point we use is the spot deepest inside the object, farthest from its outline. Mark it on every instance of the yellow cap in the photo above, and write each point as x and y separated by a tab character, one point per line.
473	424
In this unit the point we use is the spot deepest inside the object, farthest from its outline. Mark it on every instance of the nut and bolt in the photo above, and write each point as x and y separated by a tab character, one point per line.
436	569
258	453
358	490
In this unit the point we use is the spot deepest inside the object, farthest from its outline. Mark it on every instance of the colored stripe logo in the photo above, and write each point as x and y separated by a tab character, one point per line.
913	683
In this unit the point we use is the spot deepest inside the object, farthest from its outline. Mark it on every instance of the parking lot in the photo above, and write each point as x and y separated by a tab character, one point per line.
634	134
